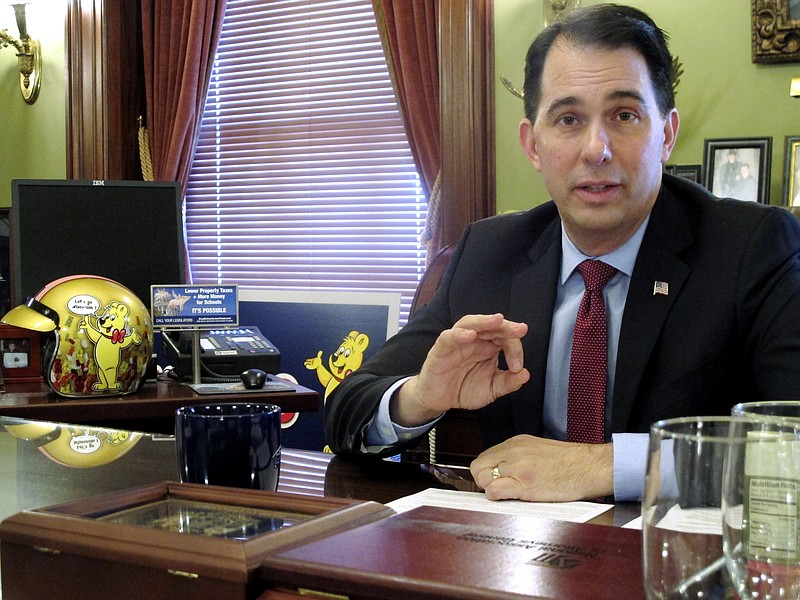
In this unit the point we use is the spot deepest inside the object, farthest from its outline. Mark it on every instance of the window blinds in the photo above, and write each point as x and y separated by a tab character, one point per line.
302	177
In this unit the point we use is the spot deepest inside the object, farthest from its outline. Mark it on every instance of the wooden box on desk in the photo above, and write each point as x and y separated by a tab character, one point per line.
165	540
439	553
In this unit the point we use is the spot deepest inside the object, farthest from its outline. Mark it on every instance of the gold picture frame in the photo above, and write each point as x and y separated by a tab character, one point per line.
775	31
791	171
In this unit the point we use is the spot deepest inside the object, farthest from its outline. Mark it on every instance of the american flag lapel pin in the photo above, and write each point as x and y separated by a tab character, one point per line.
660	287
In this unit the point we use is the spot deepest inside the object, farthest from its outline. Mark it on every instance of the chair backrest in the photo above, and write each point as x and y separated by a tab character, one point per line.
459	438
431	278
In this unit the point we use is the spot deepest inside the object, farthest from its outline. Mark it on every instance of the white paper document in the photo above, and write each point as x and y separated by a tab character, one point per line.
576	512
634	524
692	520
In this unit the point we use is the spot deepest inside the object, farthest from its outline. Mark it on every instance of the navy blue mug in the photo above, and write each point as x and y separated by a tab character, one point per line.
233	445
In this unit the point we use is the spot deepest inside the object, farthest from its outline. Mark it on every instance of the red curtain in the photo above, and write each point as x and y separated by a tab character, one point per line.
179	42
409	30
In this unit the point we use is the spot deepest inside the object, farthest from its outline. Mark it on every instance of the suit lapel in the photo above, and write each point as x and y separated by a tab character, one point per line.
667	235
533	294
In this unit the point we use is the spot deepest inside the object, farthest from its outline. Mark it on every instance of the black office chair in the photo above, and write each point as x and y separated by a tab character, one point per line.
431	278
456	438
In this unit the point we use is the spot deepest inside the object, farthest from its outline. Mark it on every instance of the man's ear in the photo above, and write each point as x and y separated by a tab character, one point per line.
671	125
528	142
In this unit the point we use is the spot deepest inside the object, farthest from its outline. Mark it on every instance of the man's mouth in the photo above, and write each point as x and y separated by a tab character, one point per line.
597	186
598	190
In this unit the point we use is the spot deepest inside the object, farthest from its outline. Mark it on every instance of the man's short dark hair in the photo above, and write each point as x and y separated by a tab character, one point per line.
610	27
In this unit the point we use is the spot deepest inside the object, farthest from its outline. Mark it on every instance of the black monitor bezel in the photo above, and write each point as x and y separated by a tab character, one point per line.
19	295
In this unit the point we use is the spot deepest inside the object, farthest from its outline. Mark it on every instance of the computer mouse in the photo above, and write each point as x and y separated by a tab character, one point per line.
254	379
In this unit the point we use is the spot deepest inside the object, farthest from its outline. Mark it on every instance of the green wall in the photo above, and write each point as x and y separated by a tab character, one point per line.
33	136
722	94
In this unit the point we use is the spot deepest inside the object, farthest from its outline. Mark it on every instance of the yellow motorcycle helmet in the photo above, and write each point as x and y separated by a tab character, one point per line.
102	338
76	445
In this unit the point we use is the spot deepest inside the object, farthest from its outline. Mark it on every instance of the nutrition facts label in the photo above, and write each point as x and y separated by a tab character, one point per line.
771	518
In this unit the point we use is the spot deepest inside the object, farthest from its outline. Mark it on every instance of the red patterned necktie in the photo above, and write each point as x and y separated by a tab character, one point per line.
586	395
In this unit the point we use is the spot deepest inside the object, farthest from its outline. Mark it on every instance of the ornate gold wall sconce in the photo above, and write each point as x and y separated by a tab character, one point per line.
29	55
553	9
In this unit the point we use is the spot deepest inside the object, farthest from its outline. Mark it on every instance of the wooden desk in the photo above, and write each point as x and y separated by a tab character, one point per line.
151	410
30	479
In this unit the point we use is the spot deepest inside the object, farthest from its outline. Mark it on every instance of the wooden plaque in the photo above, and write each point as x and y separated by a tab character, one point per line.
163	540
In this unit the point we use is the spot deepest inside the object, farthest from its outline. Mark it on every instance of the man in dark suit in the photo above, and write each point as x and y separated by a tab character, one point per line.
699	308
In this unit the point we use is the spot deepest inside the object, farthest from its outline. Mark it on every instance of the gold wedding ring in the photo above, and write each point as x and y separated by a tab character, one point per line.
495	473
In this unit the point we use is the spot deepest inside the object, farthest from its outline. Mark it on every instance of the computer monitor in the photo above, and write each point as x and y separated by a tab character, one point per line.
128	231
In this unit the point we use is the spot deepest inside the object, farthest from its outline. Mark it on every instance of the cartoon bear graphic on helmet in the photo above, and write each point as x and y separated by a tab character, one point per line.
102	341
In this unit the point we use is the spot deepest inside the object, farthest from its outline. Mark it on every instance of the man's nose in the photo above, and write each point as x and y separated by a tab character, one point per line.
597	149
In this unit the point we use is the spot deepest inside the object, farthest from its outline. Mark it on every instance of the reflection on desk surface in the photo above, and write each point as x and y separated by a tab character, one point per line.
32	477
34	473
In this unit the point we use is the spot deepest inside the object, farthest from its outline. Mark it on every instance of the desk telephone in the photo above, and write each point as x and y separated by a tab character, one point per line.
224	353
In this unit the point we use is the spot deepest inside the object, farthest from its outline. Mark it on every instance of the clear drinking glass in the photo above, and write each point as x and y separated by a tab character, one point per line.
761	484
681	509
789	409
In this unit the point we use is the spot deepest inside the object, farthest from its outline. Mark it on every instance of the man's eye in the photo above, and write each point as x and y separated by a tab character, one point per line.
568	120
626	116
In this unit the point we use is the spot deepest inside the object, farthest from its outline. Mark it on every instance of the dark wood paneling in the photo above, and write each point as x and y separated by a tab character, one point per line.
105	91
125	88
86	123
467	106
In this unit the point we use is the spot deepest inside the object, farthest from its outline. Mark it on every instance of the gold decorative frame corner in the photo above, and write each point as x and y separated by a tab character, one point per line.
775	33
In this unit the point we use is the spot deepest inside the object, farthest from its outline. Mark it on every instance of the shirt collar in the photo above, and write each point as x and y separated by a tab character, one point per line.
623	258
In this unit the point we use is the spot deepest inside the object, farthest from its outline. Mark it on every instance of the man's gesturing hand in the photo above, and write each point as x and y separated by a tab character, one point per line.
462	370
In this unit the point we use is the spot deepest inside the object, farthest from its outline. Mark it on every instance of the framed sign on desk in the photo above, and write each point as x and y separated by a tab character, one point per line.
20	354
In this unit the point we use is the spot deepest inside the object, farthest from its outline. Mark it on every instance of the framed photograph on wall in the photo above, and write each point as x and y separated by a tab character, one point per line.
20	354
690	172
775	31
791	171
738	168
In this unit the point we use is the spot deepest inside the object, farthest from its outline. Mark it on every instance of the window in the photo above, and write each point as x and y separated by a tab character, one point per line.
303	178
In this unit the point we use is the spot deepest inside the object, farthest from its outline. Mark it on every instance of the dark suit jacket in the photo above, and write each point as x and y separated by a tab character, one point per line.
728	331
